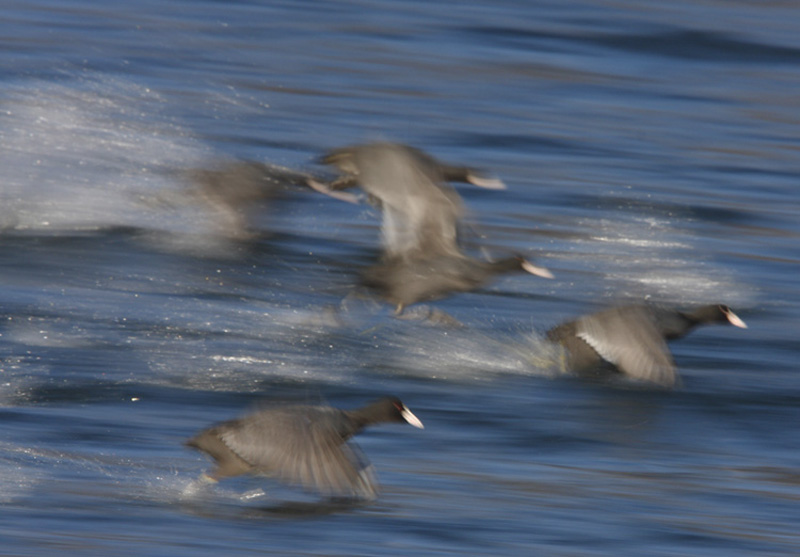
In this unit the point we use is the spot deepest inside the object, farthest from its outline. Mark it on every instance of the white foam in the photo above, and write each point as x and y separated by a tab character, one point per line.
100	152
657	258
20	472
461	354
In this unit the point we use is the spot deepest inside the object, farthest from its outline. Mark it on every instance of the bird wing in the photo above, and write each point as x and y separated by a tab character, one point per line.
304	446
422	223
399	234
628	338
421	214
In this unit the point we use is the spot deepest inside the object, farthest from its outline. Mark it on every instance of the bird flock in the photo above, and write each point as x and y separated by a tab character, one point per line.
422	259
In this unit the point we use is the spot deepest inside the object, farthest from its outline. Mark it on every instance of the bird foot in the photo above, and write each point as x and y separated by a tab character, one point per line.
325	189
205	479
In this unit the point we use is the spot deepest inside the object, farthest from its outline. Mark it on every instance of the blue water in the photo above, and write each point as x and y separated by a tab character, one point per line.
650	151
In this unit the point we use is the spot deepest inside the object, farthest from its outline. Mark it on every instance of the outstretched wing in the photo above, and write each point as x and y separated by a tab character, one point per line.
421	215
303	446
628	338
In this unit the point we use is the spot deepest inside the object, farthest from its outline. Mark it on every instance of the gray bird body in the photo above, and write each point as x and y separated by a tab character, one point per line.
633	338
240	184
403	281
421	212
421	256
301	444
233	190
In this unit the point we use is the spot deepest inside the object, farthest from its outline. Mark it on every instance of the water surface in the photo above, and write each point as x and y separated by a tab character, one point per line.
650	152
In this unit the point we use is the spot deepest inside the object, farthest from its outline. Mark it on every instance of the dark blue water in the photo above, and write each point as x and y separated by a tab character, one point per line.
651	151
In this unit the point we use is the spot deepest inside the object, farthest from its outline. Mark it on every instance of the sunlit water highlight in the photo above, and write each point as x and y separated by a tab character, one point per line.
649	153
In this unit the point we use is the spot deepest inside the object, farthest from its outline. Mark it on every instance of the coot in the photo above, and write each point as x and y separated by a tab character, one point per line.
403	281
633	338
301	444
421	257
421	211
235	189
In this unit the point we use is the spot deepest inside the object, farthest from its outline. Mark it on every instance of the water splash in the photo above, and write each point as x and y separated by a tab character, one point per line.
655	258
101	152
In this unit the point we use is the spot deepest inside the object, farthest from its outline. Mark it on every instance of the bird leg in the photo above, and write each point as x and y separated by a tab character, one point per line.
331	192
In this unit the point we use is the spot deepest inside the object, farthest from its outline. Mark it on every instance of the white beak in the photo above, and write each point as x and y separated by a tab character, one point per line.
411	418
536	270
488	183
735	320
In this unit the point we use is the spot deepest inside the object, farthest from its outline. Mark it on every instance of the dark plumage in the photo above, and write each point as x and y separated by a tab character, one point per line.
421	211
421	257
360	163
233	190
239	184
403	281
301	444
633	338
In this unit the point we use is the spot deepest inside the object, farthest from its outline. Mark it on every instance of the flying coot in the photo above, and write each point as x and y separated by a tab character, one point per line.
234	190
301	444
421	257
633	339
365	166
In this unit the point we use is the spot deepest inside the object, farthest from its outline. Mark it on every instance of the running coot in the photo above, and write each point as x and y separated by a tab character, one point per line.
421	258
301	444
633	338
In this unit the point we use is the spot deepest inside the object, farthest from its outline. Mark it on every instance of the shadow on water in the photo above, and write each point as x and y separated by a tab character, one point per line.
297	509
683	44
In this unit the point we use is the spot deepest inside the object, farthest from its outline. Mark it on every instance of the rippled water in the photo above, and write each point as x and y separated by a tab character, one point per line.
650	152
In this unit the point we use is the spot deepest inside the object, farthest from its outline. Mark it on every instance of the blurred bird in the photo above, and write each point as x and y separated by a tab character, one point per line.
633	338
403	281
233	190
366	166
421	256
301	444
